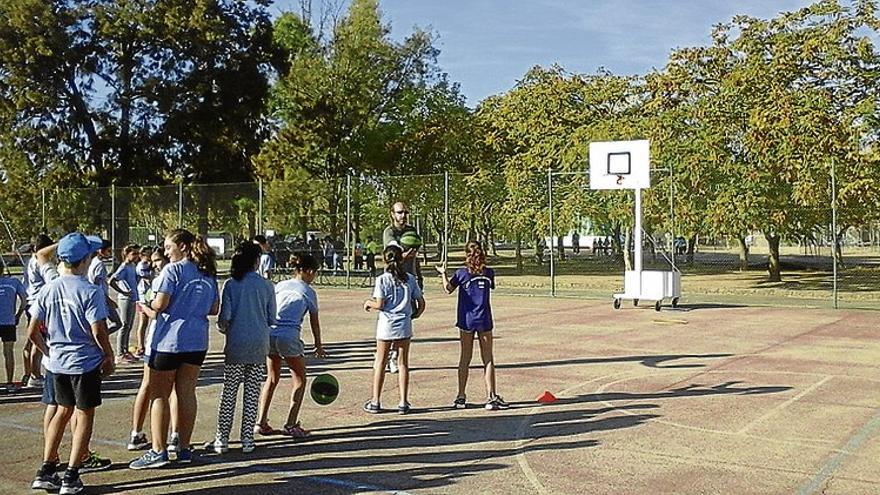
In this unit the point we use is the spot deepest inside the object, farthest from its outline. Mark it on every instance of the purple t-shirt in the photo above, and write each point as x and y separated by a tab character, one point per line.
474	311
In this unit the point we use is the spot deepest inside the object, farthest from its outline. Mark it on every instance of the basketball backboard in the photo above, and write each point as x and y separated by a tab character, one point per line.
620	165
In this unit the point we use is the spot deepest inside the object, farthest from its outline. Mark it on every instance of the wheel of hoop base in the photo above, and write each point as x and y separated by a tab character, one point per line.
635	302
675	302
657	305
616	303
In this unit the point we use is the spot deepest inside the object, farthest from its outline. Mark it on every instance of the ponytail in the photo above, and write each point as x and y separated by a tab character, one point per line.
245	258
474	257
393	257
196	250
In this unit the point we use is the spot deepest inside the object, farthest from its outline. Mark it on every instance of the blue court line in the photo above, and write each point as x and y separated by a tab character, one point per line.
837	459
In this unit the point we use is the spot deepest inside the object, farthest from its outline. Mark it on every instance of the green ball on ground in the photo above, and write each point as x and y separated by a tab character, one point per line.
324	389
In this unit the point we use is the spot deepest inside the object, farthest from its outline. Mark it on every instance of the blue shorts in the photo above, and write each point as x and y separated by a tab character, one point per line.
470	330
48	389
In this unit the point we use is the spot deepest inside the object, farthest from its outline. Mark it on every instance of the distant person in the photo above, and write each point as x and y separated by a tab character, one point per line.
575	243
13	301
36	275
372	249
392	234
267	259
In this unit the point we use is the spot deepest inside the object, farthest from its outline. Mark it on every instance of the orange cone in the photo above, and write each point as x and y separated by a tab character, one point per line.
546	398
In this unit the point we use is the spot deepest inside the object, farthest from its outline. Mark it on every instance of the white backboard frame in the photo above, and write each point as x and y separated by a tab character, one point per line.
620	164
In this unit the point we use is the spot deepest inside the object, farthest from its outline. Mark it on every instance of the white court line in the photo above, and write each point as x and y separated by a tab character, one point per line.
785	404
837	459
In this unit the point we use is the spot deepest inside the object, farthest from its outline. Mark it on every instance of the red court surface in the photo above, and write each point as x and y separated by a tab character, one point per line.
703	399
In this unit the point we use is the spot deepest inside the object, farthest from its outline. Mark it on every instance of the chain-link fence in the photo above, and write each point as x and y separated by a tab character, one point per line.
570	242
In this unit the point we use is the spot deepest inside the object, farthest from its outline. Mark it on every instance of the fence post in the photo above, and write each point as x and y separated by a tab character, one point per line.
180	204
43	195
348	244
835	240
551	246
445	253
113	220
260	228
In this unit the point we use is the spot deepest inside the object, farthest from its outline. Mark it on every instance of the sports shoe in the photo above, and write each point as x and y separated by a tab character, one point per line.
264	430
218	446
46	478
459	403
392	362
174	443
138	441
295	431
24	380
35	382
496	403
93	462
71	484
372	408
185	456
150	460
247	446
404	408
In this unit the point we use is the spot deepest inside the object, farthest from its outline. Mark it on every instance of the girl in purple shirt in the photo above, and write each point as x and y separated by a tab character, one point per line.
474	282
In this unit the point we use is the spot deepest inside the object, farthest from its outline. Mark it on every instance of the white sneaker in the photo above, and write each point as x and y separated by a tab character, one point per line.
392	362
219	446
35	382
173	443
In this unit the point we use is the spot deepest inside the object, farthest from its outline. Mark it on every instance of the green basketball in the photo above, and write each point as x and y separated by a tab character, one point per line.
325	388
410	240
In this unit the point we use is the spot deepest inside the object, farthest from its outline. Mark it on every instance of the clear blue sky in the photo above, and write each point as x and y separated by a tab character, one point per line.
487	45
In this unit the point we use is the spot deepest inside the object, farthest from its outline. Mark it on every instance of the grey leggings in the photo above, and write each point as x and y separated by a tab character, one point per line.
252	375
126	315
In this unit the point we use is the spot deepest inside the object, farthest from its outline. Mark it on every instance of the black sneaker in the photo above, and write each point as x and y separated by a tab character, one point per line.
71	484
138	441
93	462
372	408
459	403
496	403
185	456
46	478
404	408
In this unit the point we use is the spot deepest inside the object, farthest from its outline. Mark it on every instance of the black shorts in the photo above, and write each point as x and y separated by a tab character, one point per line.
168	361
82	391
7	333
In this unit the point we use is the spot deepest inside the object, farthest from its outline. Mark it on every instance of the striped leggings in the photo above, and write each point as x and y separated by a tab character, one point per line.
252	375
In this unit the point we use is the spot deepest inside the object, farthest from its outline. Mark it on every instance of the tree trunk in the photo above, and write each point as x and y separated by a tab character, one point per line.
518	253
202	207
838	247
539	251
743	253
692	246
773	259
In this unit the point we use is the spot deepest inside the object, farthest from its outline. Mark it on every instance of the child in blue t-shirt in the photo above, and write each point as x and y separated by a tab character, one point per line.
474	282
10	312
124	282
294	299
394	296
247	309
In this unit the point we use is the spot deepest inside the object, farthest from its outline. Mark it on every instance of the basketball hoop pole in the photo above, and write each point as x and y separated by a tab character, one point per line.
637	238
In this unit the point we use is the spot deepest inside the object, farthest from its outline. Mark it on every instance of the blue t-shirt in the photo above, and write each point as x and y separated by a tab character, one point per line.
68	306
97	274
126	278
249	307
183	325
474	311
294	298
267	264
10	289
36	276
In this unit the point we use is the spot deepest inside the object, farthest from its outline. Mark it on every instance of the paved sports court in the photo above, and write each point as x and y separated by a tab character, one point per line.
705	399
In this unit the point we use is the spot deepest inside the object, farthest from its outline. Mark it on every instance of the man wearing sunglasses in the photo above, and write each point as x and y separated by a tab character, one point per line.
400	225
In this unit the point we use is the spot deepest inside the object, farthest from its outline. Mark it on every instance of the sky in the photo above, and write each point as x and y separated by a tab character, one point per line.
487	45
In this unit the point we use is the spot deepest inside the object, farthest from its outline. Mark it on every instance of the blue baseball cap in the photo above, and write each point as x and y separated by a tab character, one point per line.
93	239
74	247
